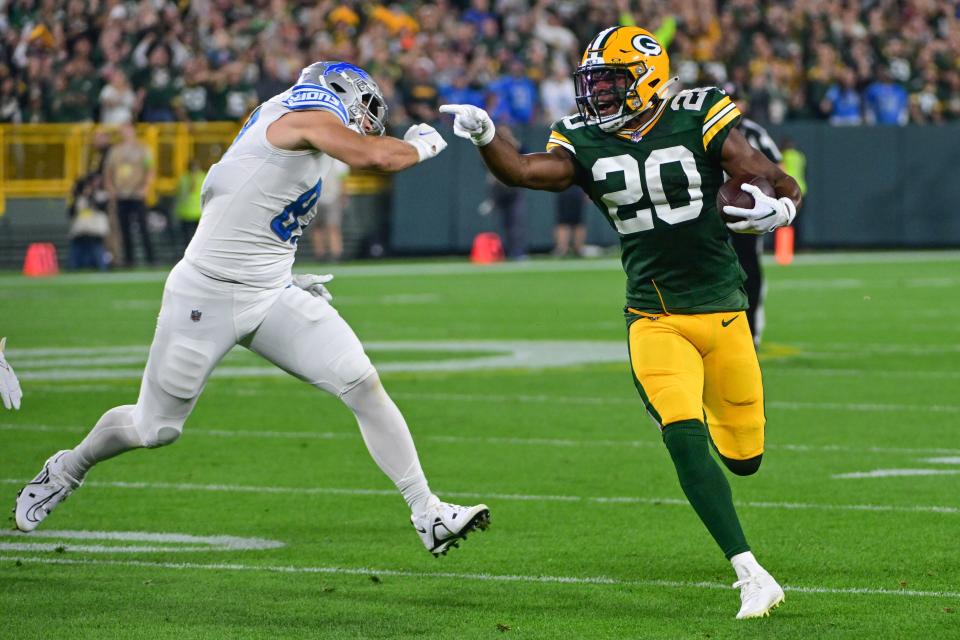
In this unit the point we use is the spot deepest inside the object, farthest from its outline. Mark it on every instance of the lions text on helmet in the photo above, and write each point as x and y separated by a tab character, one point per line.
235	286
348	85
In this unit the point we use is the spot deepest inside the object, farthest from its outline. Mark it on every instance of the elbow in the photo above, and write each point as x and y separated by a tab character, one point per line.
511	180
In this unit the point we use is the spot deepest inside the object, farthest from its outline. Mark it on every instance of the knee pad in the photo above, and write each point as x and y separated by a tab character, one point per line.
352	368
368	390
158	435
156	431
746	467
674	403
163	436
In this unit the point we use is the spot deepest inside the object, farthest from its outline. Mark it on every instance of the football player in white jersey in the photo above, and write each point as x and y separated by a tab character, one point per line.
235	286
10	392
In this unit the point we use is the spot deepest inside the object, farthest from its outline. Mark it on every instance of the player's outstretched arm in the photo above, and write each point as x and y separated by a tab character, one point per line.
323	131
10	391
549	171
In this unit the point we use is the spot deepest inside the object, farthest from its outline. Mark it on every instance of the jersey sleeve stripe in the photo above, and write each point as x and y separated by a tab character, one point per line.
719	116
556	135
732	115
553	142
321	106
721	104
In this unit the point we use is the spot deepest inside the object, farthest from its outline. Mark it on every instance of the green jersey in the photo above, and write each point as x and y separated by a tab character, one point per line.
658	190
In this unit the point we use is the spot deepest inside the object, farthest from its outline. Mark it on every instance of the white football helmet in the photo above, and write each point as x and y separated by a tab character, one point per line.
359	93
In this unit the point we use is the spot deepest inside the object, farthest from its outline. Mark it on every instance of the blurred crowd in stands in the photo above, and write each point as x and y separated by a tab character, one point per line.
845	61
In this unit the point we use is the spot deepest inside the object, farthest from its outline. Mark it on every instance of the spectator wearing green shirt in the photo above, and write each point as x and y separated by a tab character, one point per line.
187	206
158	87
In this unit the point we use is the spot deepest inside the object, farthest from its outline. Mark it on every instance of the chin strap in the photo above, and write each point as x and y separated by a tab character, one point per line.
660	94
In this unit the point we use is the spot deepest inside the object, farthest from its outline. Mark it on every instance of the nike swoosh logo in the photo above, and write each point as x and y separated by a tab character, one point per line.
420	530
726	323
427	133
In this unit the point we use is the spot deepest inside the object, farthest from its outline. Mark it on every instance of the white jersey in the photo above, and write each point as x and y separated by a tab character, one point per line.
258	198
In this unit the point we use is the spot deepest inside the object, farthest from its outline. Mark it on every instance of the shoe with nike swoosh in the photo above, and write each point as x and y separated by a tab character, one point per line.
443	525
41	495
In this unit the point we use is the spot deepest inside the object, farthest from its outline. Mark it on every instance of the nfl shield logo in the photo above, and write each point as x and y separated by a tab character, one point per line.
195	315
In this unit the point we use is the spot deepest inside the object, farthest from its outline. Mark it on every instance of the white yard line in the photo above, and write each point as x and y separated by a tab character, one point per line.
770	404
896	473
602	500
769	368
95	548
652	443
173	542
471	577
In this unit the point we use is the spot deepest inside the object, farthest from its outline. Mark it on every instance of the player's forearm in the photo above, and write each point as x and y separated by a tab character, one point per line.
391	155
504	162
368	153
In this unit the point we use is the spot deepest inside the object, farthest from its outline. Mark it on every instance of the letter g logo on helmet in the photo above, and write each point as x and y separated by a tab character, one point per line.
646	44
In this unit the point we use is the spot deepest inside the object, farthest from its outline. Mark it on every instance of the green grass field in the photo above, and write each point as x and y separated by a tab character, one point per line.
591	536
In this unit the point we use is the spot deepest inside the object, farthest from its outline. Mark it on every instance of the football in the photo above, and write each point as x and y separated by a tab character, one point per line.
730	194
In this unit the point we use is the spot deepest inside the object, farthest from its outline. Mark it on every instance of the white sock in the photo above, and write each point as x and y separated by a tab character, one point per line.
745	565
389	441
113	434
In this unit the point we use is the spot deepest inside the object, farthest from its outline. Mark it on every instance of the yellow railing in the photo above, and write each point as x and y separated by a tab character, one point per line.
44	160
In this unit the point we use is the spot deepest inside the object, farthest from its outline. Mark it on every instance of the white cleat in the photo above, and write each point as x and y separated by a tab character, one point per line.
41	495
759	594
443	525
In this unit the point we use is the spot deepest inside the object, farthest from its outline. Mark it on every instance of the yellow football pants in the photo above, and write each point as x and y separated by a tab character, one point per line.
702	366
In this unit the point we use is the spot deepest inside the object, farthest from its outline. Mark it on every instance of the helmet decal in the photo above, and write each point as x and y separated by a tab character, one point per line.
623	73
363	105
647	45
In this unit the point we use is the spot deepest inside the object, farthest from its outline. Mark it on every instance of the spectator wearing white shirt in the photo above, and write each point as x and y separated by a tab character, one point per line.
117	100
557	94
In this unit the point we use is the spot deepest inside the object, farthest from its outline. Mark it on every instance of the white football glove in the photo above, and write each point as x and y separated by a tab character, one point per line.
470	122
9	385
313	284
767	213
425	140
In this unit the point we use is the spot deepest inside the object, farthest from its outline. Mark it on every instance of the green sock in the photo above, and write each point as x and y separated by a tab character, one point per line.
704	484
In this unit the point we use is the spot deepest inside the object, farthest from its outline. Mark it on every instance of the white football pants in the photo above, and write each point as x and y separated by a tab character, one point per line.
201	319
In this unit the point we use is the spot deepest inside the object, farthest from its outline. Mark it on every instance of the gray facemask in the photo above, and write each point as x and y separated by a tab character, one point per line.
356	89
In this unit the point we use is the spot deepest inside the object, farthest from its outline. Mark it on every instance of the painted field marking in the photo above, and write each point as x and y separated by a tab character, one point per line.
171	542
779	369
512	441
900	473
474	577
770	404
896	473
462	268
81	364
603	500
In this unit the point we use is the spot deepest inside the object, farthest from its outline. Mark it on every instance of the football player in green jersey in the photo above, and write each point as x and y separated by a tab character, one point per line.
653	165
